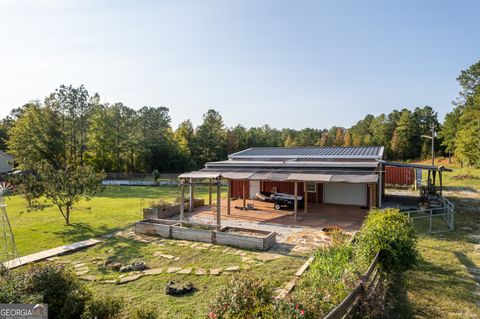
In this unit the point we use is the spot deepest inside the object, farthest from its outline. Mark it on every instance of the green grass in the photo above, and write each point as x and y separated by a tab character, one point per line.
113	209
148	291
442	286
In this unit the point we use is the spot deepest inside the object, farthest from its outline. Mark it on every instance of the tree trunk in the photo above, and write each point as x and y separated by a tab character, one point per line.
67	215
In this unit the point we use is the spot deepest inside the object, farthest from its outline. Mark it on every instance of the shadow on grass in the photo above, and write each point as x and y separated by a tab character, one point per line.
468	263
80	231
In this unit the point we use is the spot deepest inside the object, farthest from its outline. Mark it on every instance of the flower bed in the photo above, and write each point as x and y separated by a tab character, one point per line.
161	227
245	238
194	232
168	210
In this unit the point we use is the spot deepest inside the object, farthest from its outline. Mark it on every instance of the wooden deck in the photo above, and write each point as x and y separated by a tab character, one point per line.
347	217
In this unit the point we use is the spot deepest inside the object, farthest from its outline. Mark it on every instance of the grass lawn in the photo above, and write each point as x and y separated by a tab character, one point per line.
444	284
149	290
113	209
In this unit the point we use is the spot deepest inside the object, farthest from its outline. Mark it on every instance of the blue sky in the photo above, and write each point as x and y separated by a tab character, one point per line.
284	63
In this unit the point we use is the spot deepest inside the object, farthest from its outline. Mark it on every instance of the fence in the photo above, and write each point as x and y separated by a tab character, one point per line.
433	220
365	288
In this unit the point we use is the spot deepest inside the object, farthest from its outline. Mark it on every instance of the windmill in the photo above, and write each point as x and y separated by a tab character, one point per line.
8	248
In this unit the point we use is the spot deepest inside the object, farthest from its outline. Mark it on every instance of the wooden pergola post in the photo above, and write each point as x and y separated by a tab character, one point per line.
244	194
218	205
210	192
191	195
182	201
295	200
440	180
305	197
229	195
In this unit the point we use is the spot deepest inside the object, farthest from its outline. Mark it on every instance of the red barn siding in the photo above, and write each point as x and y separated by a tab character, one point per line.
282	187
399	175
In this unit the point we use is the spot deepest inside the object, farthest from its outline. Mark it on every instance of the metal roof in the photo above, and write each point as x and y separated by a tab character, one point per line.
372	152
289	176
284	164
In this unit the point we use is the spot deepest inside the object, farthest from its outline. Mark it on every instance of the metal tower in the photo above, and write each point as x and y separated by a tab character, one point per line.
8	248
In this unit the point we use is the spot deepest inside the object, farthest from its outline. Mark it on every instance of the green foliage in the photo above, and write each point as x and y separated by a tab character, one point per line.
103	307
391	233
29	186
328	281
144	313
46	283
65	187
211	138
245	296
289	310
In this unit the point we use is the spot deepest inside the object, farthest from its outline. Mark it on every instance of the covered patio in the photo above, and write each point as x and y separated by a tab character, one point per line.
347	217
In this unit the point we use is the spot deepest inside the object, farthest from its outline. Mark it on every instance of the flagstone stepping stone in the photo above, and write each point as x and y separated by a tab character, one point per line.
52	259
245	259
129	278
200	272
226	250
160	254
232	268
173	269
208	245
77	262
153	271
176	258
215	271
80	265
246	267
88	277
200	247
109	281
83	272
186	271
267	256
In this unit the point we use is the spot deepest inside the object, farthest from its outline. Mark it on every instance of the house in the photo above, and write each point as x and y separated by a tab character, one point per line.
6	162
320	175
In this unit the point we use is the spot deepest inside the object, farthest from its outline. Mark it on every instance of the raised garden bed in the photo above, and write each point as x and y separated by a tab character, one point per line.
194	232
168	211
245	238
161	227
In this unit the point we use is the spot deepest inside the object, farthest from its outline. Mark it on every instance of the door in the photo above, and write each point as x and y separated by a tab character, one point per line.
254	188
345	193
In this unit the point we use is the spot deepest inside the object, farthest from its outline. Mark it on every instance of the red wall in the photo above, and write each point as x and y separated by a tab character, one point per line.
282	187
399	175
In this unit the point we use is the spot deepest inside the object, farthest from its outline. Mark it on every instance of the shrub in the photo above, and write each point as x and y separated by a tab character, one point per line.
289	310
390	232
105	307
46	283
160	204
328	281
245	296
144	313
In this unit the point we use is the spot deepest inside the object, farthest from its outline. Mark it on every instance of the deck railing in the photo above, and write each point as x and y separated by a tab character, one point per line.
433	220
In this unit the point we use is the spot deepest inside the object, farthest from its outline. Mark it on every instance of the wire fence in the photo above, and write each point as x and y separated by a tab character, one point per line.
434	220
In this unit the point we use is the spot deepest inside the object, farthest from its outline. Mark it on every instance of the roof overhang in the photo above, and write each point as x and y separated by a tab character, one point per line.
417	166
292	164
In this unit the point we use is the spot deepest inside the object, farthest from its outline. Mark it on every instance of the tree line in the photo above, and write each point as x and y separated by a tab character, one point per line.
73	128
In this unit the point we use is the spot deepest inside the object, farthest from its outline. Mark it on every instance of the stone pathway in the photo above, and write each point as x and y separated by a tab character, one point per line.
14	263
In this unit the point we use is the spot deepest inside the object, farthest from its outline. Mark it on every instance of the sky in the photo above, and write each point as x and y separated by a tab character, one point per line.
289	64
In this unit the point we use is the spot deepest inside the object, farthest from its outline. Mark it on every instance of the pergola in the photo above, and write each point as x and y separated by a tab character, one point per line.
214	179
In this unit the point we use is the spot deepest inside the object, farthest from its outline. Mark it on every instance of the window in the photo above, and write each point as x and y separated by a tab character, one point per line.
312	187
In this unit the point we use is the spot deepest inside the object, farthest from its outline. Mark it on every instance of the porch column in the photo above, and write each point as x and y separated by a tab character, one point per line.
229	195
191	195
440	180
182	201
295	200
316	195
218	205
244	194
210	192
434	178
305	197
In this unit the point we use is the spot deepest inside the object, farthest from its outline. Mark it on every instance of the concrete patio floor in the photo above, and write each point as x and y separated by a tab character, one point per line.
347	217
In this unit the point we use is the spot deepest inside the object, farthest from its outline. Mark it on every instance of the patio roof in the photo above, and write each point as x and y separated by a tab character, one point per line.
414	165
286	176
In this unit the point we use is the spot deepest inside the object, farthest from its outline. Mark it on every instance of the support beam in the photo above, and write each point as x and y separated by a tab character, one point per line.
219	223
182	202
244	196
440	180
210	193
295	200
229	196
191	195
305	197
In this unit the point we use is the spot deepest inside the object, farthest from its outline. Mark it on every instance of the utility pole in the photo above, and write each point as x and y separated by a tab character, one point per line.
433	142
